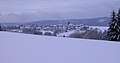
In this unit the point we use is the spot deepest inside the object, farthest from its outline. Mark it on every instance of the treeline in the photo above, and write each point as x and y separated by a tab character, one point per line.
90	34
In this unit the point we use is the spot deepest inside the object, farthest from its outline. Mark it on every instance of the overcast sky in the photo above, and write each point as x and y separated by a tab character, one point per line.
29	10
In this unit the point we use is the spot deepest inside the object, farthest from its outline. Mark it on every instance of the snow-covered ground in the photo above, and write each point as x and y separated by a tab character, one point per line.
23	48
65	33
102	28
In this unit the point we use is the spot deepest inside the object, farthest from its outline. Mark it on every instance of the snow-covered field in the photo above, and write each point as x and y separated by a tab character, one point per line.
102	28
23	48
65	33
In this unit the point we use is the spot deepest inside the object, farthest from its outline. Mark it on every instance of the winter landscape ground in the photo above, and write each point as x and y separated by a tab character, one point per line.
25	48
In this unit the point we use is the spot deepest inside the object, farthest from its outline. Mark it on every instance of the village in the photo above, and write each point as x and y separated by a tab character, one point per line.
50	30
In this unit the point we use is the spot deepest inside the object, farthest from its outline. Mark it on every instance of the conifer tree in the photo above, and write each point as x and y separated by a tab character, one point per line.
0	28
118	25
114	27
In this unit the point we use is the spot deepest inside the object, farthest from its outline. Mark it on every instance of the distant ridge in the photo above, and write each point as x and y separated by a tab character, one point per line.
101	21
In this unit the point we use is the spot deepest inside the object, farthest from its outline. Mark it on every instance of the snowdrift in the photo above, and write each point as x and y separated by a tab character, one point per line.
23	48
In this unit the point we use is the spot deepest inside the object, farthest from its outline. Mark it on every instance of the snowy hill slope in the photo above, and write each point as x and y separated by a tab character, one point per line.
23	48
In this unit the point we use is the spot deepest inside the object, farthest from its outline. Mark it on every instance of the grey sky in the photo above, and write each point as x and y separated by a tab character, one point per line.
57	9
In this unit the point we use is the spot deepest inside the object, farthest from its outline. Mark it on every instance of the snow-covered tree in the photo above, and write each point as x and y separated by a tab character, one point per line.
118	25
0	28
114	27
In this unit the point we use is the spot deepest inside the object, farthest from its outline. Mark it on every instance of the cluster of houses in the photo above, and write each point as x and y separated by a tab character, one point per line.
52	30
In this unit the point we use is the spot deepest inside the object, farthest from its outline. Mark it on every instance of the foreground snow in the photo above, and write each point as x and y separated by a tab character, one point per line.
23	48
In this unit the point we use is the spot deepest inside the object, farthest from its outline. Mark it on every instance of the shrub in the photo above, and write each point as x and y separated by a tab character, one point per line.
38	33
48	34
